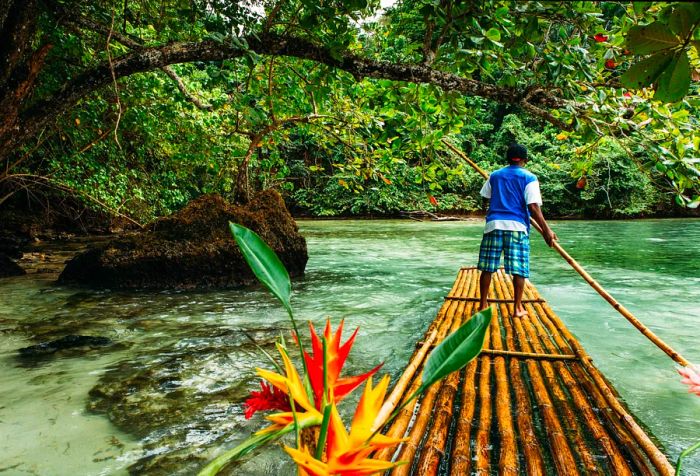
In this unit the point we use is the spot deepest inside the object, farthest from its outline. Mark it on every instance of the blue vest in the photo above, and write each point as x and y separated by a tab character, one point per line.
508	195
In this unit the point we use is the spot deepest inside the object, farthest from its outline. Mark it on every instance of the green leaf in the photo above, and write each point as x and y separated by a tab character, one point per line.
682	20
493	34
674	82
241	450
457	350
643	40
646	71
264	263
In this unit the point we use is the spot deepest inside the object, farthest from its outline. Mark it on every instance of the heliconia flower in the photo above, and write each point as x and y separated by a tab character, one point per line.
600	38
691	377
348	454
433	200
269	398
610	64
292	386
627	95
338	387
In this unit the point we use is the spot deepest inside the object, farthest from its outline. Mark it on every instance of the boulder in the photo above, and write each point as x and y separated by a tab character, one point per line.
9	267
192	248
68	342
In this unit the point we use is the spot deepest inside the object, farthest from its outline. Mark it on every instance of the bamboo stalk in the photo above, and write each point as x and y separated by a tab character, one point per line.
530	445
435	442
461	451
592	282
618	464
508	458
561	452
561	399
657	458
482	448
417	432
440	326
403	420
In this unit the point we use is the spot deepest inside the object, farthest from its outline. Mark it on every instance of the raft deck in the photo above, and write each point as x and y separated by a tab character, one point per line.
531	403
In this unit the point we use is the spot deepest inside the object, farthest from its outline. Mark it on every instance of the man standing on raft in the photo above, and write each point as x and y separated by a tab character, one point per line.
513	194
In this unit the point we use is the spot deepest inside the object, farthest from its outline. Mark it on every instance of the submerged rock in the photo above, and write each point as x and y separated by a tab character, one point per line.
68	342
9	267
192	248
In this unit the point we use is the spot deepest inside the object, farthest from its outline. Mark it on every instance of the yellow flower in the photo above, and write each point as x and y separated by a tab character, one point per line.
349	454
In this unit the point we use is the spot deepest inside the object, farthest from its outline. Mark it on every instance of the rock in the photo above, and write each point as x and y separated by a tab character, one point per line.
9	267
192	248
68	342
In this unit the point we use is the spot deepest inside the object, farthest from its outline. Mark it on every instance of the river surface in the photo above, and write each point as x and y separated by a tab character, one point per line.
167	395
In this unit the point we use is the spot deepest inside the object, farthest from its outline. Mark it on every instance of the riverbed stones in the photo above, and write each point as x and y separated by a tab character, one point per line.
9	268
192	248
71	341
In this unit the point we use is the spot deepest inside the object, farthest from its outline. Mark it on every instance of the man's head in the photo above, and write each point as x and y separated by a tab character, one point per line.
516	154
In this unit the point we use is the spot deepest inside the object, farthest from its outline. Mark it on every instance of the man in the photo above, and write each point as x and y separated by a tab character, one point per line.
514	195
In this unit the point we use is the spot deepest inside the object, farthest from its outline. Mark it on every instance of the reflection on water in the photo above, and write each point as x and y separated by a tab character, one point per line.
167	396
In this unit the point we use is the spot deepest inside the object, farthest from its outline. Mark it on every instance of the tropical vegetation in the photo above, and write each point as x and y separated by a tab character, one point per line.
137	106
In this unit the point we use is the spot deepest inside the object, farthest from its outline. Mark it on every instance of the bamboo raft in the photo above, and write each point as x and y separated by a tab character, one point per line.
531	403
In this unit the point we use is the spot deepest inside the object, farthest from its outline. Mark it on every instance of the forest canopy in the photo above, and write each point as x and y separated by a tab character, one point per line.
138	106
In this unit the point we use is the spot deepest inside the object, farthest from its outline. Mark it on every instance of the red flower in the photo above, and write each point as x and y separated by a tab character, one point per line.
581	183
433	200
270	398
628	95
610	64
600	38
338	387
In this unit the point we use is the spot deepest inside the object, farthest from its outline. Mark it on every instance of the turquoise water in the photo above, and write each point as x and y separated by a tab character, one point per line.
166	396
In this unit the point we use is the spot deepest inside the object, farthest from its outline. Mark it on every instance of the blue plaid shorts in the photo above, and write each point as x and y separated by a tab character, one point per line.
515	245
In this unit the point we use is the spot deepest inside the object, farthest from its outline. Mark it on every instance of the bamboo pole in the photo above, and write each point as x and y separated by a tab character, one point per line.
561	399
461	451
436	440
658	459
417	432
618	429
482	446
530	444
594	284
440	326
617	462
508	457
563	456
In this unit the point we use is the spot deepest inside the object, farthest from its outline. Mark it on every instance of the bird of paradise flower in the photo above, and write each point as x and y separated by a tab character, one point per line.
310	400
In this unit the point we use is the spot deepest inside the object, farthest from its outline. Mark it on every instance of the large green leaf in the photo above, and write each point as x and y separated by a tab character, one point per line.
646	71
458	349
682	19
674	81
264	263
647	39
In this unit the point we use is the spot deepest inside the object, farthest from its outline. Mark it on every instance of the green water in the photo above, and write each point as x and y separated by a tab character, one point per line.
167	395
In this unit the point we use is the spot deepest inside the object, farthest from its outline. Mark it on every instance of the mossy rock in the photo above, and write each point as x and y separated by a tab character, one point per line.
192	248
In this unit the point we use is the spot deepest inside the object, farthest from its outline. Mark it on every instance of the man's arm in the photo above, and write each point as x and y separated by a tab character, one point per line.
536	212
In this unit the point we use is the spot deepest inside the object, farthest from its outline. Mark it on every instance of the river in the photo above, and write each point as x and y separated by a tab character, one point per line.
166	396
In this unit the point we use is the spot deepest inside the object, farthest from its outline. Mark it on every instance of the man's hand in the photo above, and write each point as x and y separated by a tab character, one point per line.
549	236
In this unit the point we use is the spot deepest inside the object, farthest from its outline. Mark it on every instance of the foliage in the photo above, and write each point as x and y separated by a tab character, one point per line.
584	79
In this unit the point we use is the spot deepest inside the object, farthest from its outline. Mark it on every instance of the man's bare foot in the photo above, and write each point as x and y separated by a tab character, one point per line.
483	306
520	312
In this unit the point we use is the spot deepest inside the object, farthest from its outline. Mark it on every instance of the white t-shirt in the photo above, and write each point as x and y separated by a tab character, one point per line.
532	195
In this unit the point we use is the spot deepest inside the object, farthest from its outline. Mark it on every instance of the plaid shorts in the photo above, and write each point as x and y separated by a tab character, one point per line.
515	245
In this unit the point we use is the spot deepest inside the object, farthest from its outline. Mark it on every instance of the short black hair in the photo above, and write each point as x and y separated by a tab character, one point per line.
516	151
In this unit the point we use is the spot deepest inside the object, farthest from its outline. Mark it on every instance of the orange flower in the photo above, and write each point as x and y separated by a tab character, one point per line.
338	387
348	454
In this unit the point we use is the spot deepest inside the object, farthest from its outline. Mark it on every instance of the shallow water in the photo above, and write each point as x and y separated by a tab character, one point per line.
166	397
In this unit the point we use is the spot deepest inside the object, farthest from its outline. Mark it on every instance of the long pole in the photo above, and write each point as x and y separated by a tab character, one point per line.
587	277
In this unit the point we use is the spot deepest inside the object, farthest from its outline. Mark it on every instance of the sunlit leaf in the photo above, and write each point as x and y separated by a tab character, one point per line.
264	263
645	72
646	39
458	349
674	81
